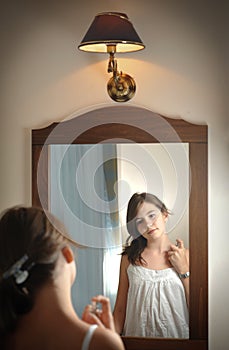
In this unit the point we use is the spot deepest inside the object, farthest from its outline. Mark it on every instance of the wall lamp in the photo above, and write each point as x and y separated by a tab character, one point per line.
112	32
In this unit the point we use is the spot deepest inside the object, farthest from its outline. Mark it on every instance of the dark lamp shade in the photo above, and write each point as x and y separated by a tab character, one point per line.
111	28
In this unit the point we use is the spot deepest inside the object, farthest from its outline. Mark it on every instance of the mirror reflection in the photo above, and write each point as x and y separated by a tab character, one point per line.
90	186
154	275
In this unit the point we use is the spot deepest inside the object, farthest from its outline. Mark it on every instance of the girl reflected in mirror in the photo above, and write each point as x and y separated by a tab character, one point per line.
153	291
37	270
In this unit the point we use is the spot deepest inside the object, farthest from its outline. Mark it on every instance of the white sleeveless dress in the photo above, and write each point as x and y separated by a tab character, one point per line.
156	304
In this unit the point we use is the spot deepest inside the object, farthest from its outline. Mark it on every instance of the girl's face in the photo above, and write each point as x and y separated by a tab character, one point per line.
150	221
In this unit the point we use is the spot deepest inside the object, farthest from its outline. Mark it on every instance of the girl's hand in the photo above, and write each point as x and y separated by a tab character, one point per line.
179	257
101	316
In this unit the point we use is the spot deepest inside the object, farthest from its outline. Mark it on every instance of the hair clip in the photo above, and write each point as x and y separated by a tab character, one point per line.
15	270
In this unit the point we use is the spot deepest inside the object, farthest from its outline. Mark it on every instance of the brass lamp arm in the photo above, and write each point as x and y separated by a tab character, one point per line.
112	64
121	87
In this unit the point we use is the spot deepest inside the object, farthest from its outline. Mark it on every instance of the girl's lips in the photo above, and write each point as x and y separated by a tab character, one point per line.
151	231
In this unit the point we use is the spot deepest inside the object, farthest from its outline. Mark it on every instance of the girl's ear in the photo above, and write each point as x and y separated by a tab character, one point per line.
68	254
165	217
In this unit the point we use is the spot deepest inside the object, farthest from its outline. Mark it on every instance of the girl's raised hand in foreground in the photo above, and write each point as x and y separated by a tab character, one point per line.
101	316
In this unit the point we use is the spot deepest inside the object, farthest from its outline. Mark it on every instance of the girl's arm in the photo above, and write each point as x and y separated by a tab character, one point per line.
179	258
121	299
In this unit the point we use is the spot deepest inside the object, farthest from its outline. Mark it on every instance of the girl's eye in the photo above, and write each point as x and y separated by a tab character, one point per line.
138	221
152	216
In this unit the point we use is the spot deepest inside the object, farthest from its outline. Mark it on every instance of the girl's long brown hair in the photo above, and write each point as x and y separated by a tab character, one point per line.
26	231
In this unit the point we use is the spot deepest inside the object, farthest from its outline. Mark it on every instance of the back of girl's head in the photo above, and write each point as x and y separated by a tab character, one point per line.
135	203
25	233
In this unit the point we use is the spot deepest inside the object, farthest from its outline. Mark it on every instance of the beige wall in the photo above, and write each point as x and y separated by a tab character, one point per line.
182	73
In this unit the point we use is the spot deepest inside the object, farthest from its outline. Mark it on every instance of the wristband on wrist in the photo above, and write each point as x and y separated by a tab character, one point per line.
184	275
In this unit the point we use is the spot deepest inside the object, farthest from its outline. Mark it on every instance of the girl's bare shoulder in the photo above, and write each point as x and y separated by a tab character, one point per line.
106	339
124	261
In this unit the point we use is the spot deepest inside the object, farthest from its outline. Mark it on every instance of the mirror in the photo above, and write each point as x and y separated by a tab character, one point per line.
89	191
134	125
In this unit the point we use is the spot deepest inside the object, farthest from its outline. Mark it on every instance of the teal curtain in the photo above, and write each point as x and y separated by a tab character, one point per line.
83	197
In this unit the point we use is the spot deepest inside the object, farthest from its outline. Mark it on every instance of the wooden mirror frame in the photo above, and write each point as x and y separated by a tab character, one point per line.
118	124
